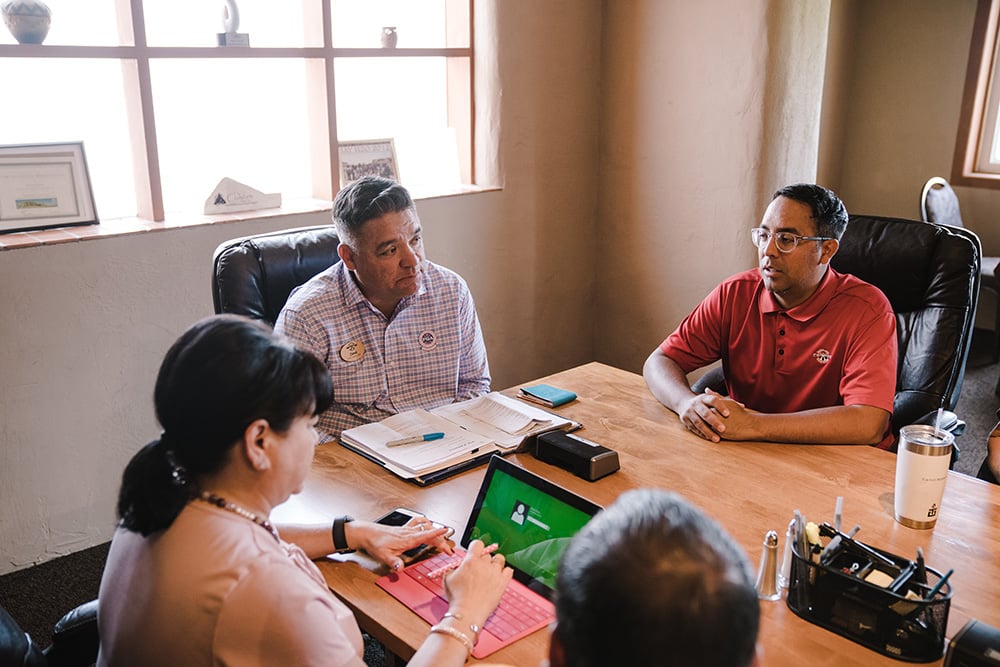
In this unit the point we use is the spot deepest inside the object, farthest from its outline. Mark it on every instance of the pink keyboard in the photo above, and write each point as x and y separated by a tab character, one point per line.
519	608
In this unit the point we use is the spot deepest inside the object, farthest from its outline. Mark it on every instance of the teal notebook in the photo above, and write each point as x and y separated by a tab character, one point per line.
546	394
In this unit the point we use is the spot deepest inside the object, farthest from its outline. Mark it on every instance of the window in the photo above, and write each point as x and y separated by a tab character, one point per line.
977	151
165	113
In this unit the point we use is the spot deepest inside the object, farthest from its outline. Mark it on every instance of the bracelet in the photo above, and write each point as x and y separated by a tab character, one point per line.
457	634
472	626
339	538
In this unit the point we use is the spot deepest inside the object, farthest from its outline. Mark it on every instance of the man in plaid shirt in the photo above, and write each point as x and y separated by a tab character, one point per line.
396	331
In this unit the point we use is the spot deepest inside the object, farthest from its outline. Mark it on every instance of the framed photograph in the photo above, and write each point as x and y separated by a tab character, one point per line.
45	185
374	157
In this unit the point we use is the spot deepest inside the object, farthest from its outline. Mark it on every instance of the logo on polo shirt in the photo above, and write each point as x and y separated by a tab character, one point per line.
822	356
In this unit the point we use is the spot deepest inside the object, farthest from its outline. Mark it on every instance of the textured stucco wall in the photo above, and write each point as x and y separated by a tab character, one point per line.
84	327
707	109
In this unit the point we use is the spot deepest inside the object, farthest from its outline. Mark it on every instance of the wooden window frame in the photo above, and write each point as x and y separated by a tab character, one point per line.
321	103
983	67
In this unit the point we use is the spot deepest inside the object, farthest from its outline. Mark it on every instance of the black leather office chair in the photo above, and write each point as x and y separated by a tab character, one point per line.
939	203
254	275
930	273
75	641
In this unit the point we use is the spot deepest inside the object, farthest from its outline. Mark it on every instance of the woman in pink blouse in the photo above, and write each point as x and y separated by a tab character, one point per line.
197	574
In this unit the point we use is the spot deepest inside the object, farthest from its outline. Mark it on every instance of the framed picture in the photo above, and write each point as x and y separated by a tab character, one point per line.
373	157
45	185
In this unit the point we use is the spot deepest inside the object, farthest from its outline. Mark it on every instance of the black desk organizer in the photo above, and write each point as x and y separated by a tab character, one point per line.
881	619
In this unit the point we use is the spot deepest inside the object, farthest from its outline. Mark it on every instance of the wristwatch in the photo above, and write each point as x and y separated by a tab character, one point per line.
339	539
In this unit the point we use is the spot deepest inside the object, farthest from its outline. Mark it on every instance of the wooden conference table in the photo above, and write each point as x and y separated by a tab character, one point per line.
748	487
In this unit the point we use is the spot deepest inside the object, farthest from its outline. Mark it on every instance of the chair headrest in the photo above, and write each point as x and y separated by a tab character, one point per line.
917	265
254	275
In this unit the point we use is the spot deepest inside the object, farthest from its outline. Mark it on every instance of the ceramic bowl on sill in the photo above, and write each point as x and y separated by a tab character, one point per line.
27	20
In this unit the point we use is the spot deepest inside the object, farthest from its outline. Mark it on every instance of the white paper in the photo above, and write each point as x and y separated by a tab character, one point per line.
509	419
471	428
421	456
467	414
230	196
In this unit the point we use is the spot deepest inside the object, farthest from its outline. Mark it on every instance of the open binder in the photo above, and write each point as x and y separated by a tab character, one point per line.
473	431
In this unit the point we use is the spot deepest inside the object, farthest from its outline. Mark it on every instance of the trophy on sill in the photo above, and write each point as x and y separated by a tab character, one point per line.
231	24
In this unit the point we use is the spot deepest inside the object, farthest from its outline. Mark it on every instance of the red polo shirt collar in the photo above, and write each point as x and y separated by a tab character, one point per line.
809	308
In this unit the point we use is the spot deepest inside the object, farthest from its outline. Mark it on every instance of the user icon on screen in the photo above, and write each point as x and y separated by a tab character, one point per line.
520	511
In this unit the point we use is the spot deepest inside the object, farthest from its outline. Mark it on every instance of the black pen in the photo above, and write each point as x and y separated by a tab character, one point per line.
901	579
830	549
921	570
885	560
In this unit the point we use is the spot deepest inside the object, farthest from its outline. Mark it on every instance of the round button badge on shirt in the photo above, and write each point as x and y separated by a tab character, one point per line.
428	340
352	351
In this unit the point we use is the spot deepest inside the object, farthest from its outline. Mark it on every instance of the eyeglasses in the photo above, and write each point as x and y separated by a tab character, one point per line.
783	241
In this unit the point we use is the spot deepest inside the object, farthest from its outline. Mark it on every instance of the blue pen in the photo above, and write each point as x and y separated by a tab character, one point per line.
416	438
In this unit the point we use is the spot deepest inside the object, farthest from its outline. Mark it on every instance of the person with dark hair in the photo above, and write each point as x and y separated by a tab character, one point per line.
197	574
395	330
809	354
652	580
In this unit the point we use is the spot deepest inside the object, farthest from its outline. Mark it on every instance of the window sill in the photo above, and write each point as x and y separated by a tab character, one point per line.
129	226
978	179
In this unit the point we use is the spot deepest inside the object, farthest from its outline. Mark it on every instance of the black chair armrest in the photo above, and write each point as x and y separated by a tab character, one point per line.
16	646
714	379
75	640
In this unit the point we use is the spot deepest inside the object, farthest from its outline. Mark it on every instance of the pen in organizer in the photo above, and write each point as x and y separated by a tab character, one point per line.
861	546
834	544
800	535
939	584
416	438
921	568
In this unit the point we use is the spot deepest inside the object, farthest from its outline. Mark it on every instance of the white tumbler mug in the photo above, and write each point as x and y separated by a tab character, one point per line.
921	472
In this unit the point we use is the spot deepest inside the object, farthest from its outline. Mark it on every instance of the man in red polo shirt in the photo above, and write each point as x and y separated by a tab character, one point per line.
809	354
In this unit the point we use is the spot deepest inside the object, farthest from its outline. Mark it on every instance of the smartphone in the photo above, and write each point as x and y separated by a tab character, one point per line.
399	517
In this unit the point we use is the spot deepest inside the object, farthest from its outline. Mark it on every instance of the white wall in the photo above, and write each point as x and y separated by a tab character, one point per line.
85	325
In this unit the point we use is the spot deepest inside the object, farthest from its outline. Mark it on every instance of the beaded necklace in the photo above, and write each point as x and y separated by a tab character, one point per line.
218	501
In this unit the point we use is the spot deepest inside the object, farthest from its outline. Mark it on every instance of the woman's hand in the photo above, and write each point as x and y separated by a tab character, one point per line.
386	544
474	588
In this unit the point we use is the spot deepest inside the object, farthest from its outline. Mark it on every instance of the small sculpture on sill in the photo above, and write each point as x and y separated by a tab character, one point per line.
389	37
231	24
27	20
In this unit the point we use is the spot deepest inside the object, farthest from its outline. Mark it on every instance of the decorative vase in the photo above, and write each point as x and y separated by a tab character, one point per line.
389	37
27	20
